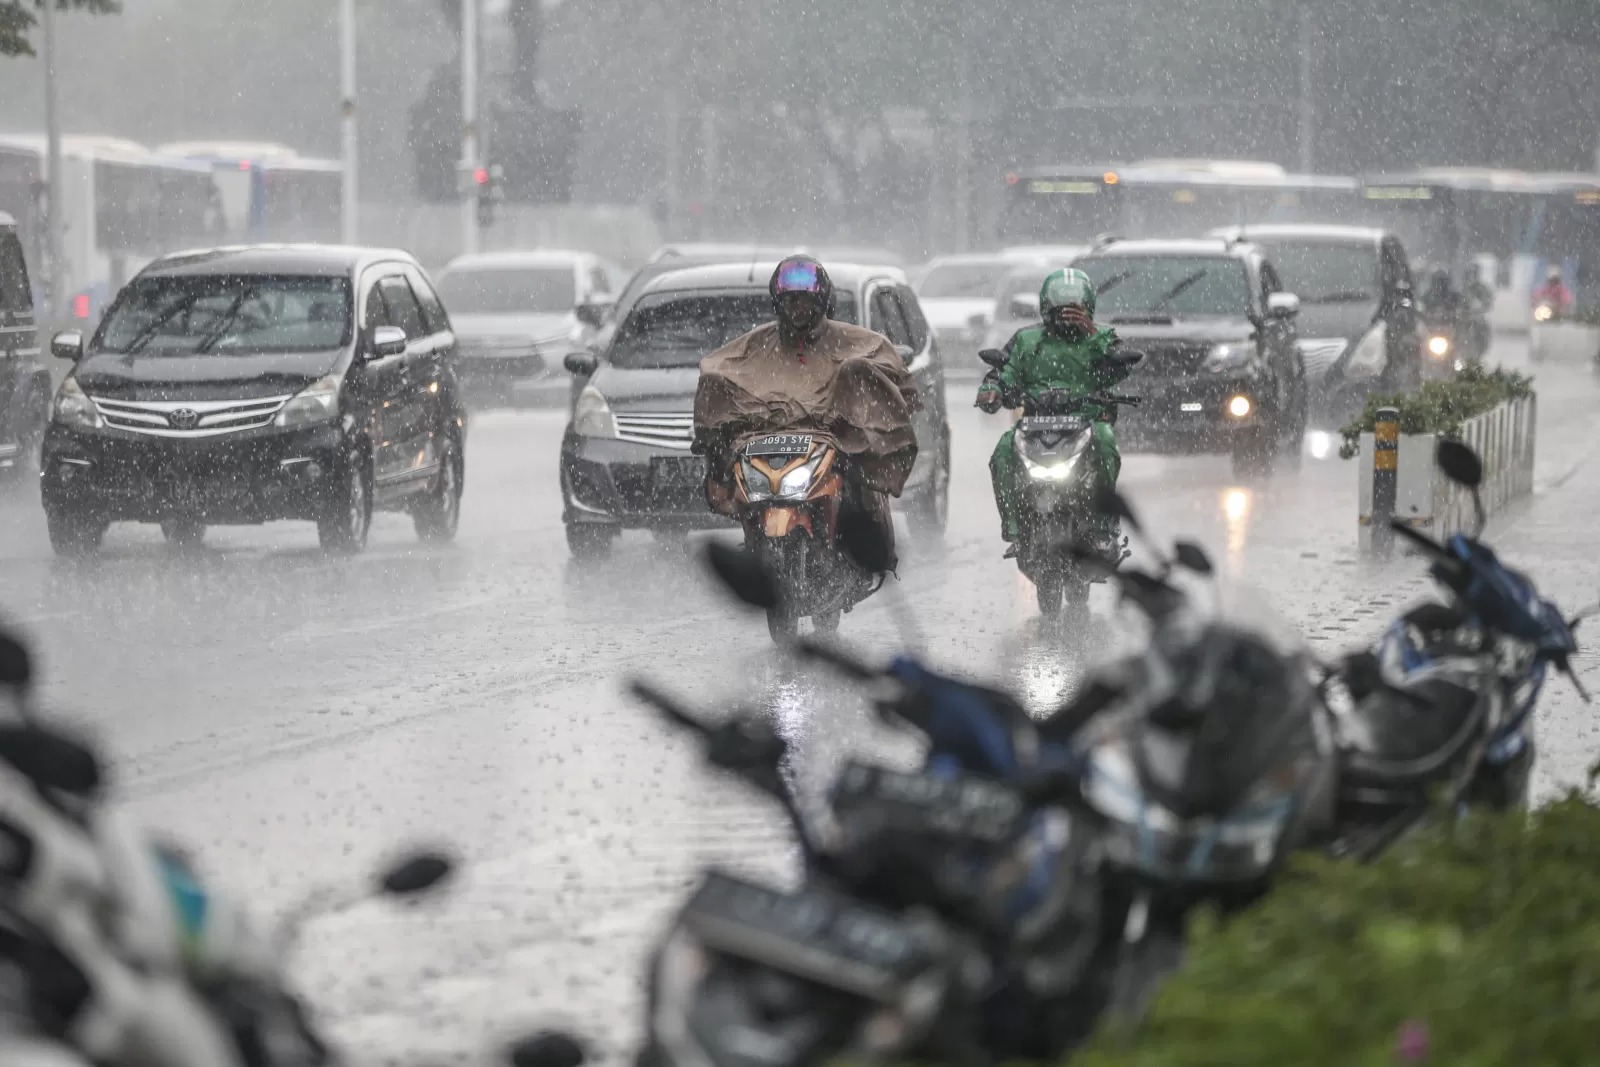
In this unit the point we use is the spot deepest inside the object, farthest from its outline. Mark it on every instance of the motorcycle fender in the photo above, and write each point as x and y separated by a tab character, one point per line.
780	522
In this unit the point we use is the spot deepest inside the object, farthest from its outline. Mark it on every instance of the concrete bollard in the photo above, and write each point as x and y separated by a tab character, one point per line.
1385	478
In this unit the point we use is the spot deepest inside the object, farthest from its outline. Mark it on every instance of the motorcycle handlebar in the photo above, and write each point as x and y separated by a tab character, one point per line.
649	694
842	661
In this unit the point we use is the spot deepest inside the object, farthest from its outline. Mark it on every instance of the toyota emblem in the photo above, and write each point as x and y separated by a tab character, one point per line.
184	418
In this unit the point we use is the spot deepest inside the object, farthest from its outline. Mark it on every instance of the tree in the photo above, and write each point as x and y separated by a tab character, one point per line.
16	19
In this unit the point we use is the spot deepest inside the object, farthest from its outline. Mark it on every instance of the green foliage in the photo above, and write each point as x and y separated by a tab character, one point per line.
1475	944
17	18
1439	407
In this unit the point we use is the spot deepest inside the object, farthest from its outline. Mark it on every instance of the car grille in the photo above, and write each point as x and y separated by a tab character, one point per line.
670	429
1321	354
1169	361
189	418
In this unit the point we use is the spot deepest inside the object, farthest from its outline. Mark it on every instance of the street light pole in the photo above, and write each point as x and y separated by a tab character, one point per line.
54	223
350	203
469	126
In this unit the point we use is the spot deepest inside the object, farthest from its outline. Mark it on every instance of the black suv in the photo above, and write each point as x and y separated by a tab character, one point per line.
24	384
1222	372
250	384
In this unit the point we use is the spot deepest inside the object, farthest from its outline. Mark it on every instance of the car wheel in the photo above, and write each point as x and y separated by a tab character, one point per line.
347	515
929	511
438	516
183	533
74	535
590	541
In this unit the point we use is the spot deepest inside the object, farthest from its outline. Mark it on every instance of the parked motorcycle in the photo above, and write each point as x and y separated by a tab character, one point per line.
790	489
1053	440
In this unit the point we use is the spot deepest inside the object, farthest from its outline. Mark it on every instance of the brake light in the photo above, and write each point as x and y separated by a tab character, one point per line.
1013	178
80	306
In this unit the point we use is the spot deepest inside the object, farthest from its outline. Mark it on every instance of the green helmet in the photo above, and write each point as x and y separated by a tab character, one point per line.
1065	288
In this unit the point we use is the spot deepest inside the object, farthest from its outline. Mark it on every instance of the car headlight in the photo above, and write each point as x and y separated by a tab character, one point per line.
74	408
757	486
591	415
317	402
1227	357
1439	345
797	483
1371	355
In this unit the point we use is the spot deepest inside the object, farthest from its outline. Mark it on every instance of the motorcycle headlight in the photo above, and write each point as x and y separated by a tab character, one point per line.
797	483
1543	313
1228	357
317	402
757	486
1059	471
74	408
1371	355
591	415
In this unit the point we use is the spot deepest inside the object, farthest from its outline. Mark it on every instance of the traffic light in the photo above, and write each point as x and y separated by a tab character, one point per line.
487	181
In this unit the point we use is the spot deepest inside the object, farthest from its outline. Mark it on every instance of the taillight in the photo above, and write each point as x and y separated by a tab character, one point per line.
80	306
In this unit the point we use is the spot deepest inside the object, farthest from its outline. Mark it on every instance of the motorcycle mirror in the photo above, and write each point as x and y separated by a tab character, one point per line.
1112	503
864	542
742	574
16	665
552	1048
416	873
1190	555
993	357
50	760
1459	463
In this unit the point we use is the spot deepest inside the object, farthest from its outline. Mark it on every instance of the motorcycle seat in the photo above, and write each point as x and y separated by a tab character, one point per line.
1391	741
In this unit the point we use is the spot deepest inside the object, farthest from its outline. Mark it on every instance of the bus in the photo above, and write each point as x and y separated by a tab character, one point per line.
1166	198
1565	233
122	206
270	192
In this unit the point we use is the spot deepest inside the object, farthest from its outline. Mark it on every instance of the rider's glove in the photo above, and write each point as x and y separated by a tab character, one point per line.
989	399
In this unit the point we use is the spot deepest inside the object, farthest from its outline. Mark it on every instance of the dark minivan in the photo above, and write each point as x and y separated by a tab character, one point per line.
24	384
252	384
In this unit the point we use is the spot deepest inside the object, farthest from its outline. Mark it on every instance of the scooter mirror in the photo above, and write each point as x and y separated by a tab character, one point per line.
16	666
743	575
994	357
1112	503
549	1049
864	542
1192	556
1459	463
416	873
50	760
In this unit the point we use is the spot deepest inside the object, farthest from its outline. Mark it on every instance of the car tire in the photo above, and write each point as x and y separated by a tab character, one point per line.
438	516
347	512
928	513
73	535
183	533
589	542
33	417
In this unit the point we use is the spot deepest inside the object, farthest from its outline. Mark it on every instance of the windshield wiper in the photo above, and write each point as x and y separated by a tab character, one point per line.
1177	290
1113	281
148	331
217	332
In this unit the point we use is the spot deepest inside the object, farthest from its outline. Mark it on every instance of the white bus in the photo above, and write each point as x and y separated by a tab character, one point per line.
269	191
122	205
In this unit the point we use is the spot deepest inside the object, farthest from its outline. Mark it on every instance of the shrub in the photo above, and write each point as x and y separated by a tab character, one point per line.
1473	944
1439	407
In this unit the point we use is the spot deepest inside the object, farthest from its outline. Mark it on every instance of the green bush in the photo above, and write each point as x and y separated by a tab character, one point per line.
1440	407
1474	944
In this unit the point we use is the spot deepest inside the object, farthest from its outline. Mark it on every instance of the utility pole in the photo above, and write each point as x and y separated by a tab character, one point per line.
963	183
54	222
349	197
1308	111
467	171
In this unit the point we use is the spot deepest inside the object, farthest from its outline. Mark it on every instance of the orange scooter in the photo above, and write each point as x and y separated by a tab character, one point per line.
789	489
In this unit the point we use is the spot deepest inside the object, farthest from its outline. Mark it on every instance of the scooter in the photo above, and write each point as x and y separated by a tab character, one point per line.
1052	441
789	489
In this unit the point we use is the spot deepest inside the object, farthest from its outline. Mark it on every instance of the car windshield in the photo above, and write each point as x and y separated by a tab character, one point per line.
680	329
228	313
509	290
1326	273
956	281
1019	283
1131	286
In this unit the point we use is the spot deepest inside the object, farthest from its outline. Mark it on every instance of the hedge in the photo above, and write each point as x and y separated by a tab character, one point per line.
1475	943
1439	407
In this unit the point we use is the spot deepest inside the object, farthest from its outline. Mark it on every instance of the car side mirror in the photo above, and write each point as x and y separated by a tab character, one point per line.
592	315
905	352
583	363
68	344
1283	306
386	341
994	357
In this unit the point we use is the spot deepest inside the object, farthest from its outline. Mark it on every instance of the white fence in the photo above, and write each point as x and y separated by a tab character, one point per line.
1428	501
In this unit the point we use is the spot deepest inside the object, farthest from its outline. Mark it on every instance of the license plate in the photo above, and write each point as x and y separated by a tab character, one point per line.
812	933
972	809
1054	423
782	444
676	472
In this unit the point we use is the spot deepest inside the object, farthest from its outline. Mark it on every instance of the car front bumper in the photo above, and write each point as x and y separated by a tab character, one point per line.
1189	415
249	477
610	482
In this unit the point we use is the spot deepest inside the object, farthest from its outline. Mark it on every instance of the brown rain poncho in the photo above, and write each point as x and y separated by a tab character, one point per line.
851	383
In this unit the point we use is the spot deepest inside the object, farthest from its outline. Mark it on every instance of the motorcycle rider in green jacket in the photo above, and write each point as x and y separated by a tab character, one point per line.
1068	352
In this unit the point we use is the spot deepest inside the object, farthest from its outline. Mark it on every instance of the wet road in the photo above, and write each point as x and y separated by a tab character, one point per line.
297	718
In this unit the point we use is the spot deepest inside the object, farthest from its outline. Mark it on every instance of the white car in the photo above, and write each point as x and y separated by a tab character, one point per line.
958	294
517	314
